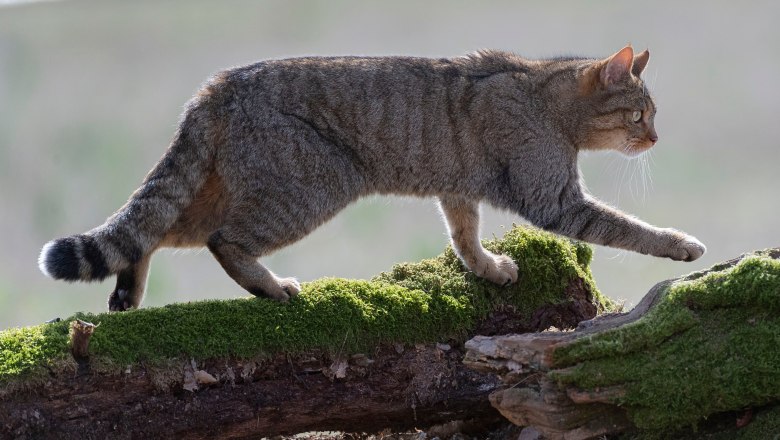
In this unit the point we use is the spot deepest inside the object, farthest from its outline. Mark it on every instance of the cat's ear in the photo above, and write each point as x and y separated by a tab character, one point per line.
640	62
617	67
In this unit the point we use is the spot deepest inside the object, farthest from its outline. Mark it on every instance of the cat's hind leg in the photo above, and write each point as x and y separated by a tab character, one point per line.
462	217
239	258
130	286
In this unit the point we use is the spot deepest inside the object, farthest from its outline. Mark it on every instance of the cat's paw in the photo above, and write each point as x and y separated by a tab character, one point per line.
290	286
119	300
498	269
282	289
685	247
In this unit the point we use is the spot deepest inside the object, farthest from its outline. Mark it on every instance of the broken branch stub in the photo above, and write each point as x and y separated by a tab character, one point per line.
80	334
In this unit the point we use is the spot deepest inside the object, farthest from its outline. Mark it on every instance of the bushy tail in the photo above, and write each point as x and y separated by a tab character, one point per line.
137	228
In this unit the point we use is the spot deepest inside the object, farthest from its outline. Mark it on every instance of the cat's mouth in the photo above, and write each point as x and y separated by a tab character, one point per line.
636	147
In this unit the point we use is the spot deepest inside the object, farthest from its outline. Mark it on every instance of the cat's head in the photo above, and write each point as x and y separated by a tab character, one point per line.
620	111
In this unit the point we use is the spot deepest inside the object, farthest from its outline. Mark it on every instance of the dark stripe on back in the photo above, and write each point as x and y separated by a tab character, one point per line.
94	257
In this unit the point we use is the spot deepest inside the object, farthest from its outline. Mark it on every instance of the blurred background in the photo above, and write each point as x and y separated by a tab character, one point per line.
90	93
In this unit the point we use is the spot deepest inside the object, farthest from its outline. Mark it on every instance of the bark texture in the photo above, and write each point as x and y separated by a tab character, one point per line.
528	365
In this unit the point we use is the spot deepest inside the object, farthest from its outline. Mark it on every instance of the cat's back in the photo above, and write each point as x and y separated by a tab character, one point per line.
334	67
377	75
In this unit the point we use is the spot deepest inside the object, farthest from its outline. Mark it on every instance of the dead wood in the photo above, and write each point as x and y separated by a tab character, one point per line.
531	398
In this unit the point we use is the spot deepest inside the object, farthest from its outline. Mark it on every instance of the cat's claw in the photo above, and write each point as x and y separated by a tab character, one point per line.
498	269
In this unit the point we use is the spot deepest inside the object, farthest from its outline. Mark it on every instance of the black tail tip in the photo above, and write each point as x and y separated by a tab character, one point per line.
58	259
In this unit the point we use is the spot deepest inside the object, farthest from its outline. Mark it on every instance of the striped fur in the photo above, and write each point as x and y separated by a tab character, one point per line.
137	228
266	153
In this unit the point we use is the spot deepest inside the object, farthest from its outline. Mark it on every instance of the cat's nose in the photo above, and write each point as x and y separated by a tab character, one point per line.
653	138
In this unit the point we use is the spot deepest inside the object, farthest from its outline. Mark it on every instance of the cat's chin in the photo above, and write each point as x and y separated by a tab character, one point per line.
635	150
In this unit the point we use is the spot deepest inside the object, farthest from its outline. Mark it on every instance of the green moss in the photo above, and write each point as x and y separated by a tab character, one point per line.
25	349
710	345
547	264
431	300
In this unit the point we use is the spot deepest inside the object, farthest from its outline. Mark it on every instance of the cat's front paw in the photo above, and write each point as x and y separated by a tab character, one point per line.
498	269
281	289
685	247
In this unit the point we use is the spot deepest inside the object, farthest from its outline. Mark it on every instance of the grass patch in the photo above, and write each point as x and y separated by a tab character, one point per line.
431	300
711	345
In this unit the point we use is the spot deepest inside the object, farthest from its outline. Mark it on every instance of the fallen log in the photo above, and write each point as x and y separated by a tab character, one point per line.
694	347
395	388
357	356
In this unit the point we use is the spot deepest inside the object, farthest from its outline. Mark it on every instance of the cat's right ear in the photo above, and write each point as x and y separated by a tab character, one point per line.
617	67
640	62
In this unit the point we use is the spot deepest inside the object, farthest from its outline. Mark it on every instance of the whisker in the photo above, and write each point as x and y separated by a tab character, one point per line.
623	170
620	253
655	77
643	163
648	166
633	180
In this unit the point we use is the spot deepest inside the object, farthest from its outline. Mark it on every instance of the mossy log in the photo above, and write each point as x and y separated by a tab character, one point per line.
693	348
358	356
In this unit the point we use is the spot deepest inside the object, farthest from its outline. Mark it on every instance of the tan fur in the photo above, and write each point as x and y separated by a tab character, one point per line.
462	218
205	214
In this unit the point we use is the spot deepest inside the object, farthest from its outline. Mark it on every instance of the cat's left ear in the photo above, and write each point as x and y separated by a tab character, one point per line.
618	67
640	62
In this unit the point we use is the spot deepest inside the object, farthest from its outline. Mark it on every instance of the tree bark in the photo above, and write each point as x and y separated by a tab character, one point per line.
531	398
396	388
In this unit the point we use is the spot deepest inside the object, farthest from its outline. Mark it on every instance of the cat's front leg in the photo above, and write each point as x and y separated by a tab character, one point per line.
590	220
462	216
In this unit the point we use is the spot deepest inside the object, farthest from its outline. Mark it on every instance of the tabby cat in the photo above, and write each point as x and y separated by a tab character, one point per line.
267	152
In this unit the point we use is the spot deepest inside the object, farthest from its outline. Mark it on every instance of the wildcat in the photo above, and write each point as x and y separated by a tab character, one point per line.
267	152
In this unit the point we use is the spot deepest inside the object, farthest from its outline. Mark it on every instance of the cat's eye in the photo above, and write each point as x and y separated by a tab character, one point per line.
637	116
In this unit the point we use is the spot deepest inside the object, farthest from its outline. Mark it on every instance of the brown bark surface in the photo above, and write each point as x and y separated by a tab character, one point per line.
396	388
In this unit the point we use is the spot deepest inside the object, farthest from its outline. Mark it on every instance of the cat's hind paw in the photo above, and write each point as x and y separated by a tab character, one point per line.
119	300
291	286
